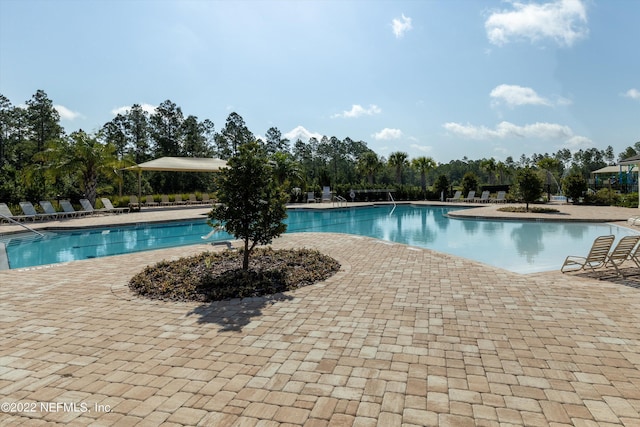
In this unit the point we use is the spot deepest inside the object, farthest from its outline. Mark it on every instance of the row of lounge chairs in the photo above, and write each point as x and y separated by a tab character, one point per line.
29	212
603	258
149	201
485	198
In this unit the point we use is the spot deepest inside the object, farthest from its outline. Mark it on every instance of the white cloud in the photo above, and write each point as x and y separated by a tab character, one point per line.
506	130
302	134
632	93
577	142
401	26
359	110
387	133
514	95
423	148
564	21
66	114
151	109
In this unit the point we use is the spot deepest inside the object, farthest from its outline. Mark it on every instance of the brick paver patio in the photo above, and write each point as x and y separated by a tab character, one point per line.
400	336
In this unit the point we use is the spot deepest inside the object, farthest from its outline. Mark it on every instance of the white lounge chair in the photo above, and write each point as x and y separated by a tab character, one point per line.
470	197
88	207
30	212
48	208
134	203
311	197
6	215
456	197
500	198
484	198
68	208
109	207
149	202
326	194
597	257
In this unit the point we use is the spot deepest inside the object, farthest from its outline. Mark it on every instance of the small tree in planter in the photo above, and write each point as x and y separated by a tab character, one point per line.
251	205
528	186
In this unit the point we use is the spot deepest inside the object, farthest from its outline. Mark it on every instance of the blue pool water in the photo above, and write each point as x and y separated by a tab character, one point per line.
519	246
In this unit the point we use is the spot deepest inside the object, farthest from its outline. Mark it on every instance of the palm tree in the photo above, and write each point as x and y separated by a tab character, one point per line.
82	157
423	165
399	161
369	164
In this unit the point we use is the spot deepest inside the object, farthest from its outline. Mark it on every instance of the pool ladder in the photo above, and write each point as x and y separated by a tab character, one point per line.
13	221
339	200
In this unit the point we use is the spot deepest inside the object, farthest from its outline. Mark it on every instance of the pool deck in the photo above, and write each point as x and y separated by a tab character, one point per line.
399	336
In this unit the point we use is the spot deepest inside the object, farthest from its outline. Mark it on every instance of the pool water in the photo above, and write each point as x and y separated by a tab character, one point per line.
519	246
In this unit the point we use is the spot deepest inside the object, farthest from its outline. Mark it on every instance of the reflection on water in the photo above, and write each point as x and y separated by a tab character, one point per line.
521	246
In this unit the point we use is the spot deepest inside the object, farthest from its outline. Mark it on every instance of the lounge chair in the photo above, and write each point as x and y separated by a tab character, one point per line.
68	208
134	203
149	202
622	252
470	197
164	200
6	215
30	212
89	209
500	198
206	200
456	197
326	194
48	208
597	257
193	200
177	200
484	198
311	197
109	207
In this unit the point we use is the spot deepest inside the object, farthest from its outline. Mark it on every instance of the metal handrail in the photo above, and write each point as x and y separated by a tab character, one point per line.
21	225
340	200
394	204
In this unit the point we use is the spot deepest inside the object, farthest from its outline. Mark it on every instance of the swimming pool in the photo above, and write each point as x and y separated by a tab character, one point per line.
519	246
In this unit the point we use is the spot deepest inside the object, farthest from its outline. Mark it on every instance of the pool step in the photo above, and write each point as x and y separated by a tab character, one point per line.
4	259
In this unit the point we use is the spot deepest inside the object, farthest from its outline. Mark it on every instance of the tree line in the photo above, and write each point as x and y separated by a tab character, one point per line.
39	160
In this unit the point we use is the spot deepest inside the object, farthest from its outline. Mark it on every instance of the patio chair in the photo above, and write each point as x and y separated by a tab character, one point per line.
597	257
30	212
206	199
484	198
500	198
164	200
149	202
6	215
109	207
177	200
68	208
48	208
456	197
326	194
623	251
470	197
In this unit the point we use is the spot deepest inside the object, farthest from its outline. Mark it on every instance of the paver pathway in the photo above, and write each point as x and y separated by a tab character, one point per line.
400	336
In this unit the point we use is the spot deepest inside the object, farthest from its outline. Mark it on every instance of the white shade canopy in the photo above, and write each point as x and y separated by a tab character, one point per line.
181	164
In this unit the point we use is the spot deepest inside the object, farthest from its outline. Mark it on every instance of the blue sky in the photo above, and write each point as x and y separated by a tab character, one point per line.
441	78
